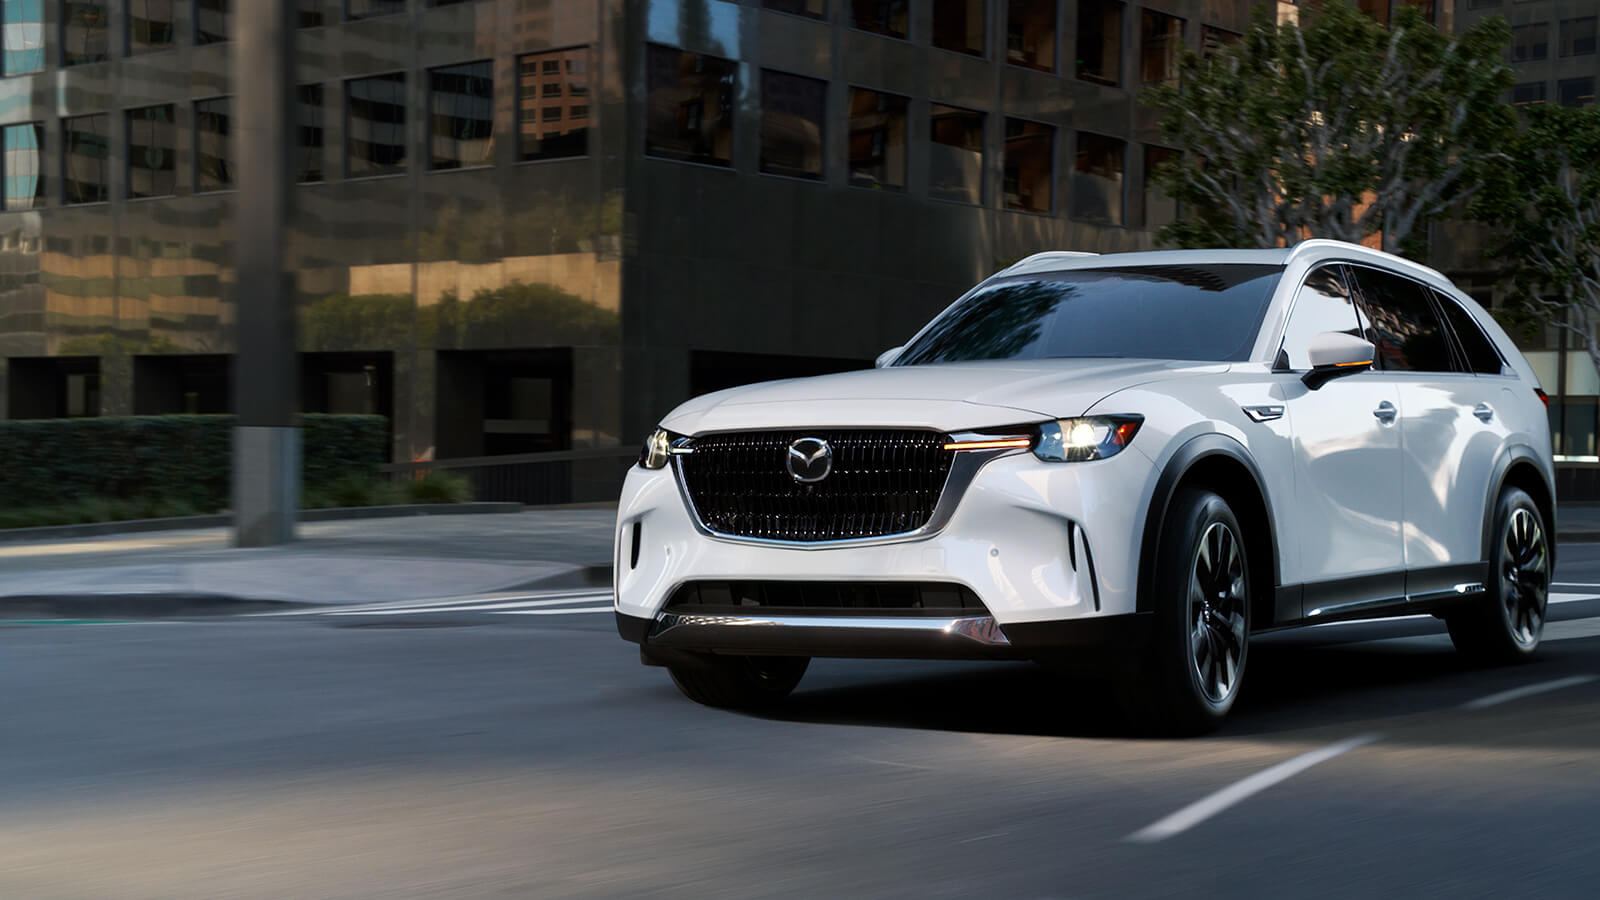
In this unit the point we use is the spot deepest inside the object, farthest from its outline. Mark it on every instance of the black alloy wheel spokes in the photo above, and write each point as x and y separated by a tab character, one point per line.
1524	577
1217	597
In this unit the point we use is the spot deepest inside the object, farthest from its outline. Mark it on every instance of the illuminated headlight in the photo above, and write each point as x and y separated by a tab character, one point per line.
1081	440
660	447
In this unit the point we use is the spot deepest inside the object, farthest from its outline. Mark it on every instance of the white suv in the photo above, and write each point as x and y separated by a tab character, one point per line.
1128	463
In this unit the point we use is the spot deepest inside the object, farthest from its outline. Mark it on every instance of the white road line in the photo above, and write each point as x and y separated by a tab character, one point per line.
1528	691
554	612
1205	808
1575	584
464	607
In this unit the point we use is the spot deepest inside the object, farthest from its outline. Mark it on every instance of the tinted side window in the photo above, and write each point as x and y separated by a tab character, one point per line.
1480	352
1404	327
1322	304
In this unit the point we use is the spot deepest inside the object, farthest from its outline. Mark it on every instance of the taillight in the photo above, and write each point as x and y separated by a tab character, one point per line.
1543	397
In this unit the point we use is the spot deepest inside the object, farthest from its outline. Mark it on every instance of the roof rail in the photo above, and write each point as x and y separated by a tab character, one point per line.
1048	255
1314	243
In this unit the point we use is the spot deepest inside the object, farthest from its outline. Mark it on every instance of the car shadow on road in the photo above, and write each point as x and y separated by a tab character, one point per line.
1290	686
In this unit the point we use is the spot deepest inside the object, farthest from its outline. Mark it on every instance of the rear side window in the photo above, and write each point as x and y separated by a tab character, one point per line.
1481	355
1404	327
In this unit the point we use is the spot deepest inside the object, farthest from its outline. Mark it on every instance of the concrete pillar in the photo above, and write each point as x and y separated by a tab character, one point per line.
266	444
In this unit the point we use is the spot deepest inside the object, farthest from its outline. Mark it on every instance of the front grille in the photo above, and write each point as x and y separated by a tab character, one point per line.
882	483
827	597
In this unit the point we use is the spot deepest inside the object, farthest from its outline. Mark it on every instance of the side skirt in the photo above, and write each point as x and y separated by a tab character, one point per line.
1433	590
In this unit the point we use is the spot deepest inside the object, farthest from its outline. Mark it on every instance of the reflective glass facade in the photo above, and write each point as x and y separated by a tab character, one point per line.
552	220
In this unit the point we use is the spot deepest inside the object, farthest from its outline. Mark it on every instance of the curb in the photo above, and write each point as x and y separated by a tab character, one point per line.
135	606
222	520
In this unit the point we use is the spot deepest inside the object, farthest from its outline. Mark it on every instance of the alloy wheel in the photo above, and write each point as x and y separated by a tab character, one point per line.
1218	592
1524	577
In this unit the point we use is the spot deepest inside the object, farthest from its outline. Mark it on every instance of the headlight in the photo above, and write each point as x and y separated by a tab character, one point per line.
660	447
1080	440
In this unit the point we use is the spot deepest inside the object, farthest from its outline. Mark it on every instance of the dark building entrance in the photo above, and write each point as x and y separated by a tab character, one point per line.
55	387
199	384
498	402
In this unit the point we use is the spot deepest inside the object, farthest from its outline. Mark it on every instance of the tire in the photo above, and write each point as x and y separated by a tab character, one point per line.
740	682
1507	624
1200	638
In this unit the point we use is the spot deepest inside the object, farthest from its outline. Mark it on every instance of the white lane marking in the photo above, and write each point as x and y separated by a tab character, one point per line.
1574	584
1206	807
1570	598
1527	691
481	606
554	612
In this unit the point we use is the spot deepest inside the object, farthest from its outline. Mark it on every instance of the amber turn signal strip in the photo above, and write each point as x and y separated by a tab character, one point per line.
989	445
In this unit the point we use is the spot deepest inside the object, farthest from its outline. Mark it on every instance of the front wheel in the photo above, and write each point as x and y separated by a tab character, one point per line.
1200	644
1508	623
740	682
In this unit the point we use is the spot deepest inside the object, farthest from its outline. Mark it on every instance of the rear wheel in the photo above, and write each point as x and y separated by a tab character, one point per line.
1508	623
1200	643
740	682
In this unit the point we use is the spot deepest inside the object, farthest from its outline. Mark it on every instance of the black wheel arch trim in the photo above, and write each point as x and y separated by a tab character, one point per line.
1510	456
1193	451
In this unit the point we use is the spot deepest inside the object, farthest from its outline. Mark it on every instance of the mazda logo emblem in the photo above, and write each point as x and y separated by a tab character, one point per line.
810	460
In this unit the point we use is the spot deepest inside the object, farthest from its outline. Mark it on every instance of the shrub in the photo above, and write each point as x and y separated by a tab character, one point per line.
147	465
439	487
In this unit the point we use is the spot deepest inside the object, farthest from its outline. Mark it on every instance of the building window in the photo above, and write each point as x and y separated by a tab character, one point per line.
149	25
551	89
550	114
24	169
310	13
86	159
1159	209
1578	36
958	25
152	152
877	139
792	116
566	136
1029	165
375	125
1097	179
690	106
461	108
308	143
213	160
1576	91
1530	94
1530	42
366	9
955	161
1214	40
1160	47
1031	34
891	18
1100	41
24	35
85	31
211	21
812	9
1482	4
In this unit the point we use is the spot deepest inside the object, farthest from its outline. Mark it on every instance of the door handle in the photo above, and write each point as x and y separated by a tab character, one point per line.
1483	411
1385	412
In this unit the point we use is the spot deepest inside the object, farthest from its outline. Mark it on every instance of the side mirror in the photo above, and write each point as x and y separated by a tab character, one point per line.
888	356
1335	353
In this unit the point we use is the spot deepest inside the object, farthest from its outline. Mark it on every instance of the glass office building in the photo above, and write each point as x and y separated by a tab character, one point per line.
528	225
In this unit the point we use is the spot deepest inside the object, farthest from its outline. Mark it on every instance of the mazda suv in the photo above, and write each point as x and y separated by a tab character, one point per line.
1125	465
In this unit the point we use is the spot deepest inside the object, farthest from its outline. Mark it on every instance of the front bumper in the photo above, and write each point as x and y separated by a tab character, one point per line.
1051	550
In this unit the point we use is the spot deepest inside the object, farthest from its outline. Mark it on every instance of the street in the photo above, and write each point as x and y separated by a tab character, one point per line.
516	748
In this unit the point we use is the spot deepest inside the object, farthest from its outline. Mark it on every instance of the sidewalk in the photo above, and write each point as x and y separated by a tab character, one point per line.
354	561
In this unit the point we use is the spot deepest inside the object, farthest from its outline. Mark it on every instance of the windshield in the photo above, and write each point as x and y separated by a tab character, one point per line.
1200	312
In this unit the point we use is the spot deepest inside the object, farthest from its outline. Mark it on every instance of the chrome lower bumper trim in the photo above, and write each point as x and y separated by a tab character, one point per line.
837	636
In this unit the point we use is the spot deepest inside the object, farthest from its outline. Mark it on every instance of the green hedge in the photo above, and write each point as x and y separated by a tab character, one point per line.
172	459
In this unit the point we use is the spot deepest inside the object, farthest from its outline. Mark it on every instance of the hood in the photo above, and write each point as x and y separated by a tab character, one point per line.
947	397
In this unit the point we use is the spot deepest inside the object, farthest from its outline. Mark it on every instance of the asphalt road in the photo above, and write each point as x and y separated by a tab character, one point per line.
522	751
